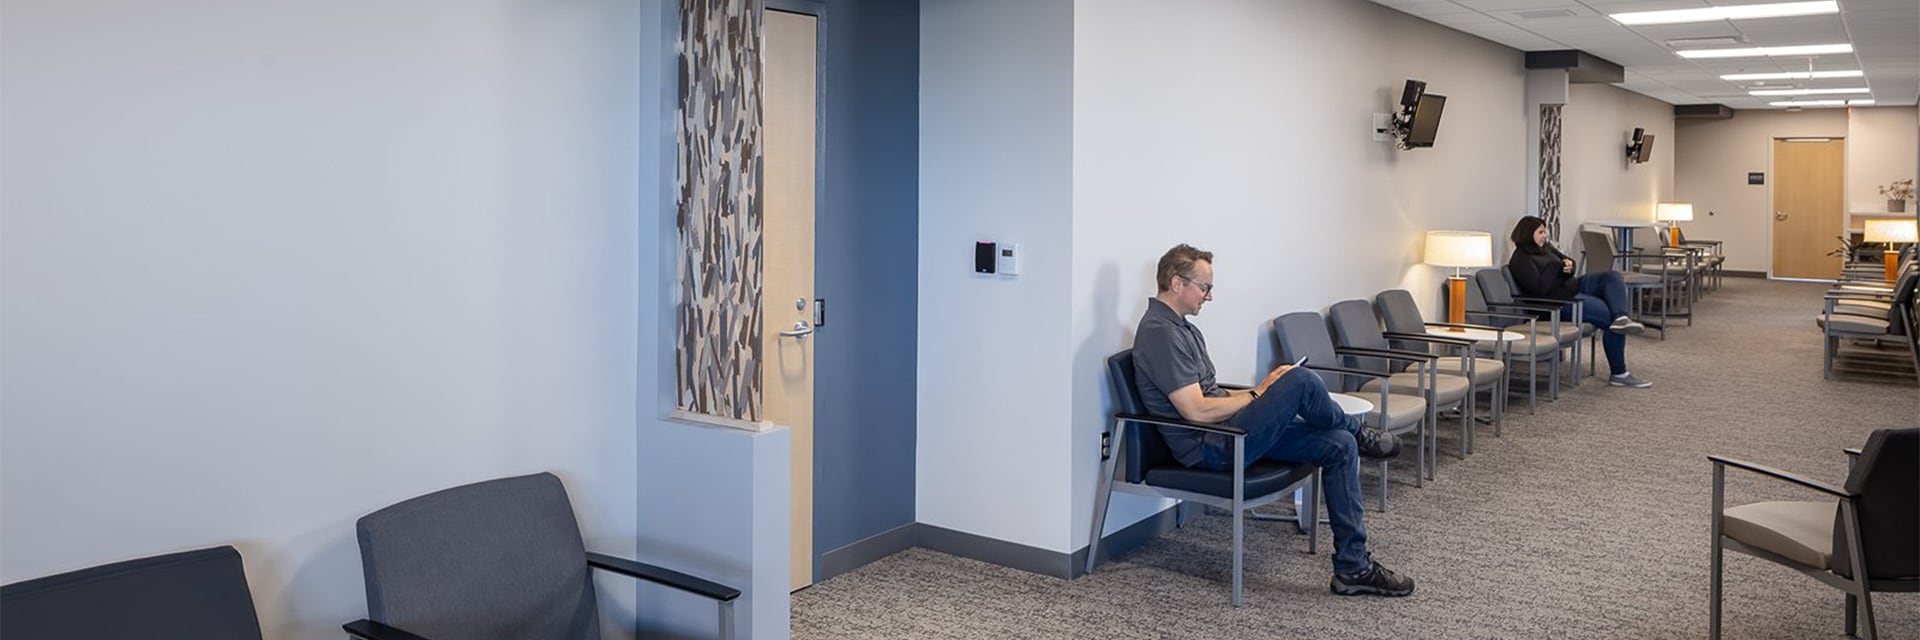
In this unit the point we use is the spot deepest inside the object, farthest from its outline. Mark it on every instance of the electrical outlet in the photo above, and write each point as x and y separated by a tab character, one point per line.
1106	445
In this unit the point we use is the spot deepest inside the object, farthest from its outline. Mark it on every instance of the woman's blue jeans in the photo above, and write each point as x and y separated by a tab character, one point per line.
1603	297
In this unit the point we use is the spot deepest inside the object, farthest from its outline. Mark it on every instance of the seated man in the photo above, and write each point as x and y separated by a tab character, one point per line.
1288	416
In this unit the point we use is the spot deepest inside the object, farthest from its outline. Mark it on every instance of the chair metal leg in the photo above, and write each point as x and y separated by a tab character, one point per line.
1713	590
1850	520
1314	491
1853	616
1239	463
1383	485
726	620
1105	496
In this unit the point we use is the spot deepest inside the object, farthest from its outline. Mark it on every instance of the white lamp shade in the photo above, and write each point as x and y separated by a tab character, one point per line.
1459	249
1891	231
1673	211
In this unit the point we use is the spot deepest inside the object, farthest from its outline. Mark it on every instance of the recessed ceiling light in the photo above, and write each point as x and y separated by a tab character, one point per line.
1792	75
1806	92
1743	12
1822	103
1802	50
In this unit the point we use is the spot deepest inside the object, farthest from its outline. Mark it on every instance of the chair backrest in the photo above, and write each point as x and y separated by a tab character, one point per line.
1493	285
199	593
495	560
1304	333
1887	479
1141	447
1400	314
1354	325
1598	250
1903	297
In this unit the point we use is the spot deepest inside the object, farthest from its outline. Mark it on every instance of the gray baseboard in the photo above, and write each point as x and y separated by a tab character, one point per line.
1743	274
991	551
865	551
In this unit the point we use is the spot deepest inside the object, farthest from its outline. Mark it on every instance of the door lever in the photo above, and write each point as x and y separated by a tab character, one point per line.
800	331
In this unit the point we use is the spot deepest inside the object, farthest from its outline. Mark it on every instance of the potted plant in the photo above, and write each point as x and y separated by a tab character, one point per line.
1897	194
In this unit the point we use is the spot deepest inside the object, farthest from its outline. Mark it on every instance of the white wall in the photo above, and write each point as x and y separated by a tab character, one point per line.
269	267
1712	161
1205	127
1879	151
1597	183
996	118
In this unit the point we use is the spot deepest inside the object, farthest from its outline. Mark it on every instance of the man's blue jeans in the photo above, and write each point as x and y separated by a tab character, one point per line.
1295	421
1604	297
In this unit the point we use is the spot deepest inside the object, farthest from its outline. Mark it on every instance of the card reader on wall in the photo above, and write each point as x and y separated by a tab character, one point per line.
985	257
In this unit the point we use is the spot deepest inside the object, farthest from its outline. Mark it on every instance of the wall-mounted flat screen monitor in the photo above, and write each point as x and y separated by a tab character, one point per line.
1426	121
1645	151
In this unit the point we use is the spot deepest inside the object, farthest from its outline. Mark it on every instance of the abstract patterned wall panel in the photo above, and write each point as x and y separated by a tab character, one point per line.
1550	169
718	262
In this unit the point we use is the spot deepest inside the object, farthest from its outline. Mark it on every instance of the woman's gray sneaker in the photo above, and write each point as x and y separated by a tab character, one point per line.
1627	326
1627	380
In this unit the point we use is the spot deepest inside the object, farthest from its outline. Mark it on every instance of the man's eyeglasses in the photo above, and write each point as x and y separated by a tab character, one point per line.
1206	288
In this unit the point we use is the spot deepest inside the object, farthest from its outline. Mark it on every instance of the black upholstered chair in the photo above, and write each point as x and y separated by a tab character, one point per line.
1139	463
1861	539
1303	334
495	560
192	594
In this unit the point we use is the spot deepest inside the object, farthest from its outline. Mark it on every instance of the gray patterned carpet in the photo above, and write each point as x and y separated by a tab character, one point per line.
1587	520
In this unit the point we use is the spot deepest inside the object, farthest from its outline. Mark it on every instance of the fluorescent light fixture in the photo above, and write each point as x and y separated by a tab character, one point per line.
1807	92
1792	75
1751	52
1822	103
1744	12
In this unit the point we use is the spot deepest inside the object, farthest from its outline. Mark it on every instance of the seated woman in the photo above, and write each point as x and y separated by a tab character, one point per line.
1541	271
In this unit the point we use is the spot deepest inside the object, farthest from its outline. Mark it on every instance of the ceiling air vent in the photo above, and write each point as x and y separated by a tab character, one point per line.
1722	41
1539	14
1714	111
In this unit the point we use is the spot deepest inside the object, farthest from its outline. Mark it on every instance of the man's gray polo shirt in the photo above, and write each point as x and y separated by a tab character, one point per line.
1169	353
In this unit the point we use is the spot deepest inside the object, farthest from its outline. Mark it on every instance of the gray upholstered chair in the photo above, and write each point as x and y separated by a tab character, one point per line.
1861	539
1498	291
191	594
1840	322
495	560
1407	329
1304	335
1646	287
1356	332
1139	463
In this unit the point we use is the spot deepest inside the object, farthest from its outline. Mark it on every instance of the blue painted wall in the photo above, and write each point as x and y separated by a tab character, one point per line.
867	248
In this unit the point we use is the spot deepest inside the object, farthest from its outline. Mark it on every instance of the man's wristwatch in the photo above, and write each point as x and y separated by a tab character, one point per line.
1253	392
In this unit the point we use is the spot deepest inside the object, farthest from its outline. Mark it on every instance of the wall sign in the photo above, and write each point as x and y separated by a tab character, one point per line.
1756	178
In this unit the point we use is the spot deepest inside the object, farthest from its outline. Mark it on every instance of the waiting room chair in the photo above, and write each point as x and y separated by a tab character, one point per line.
1840	322
1598	255
1304	334
192	594
495	560
1356	331
1860	539
1686	266
1490	301
1712	255
1139	463
1576	329
1407	329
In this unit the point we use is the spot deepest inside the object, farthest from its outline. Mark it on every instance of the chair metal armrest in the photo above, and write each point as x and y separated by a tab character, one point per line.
1209	427
370	630
1346	371
1851	452
1545	301
1467	325
1234	387
1424	337
1858	295
1764	470
1390	354
663	576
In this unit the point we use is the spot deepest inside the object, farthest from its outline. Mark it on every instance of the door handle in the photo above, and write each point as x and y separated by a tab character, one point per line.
1779	215
800	331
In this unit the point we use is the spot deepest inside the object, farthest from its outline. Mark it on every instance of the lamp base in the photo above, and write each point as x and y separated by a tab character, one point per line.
1457	302
1673	235
1891	260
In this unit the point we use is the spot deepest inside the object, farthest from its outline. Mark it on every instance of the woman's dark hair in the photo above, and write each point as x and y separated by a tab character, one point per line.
1523	232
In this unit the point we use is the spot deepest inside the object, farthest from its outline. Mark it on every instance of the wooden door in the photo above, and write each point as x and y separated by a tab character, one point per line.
789	180
1807	207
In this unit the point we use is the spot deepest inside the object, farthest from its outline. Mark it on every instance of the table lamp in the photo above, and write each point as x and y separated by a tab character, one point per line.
1891	231
1672	213
1459	249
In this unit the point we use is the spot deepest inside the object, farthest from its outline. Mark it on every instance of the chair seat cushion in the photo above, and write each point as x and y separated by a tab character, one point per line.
1403	411
1263	477
1849	323
1448	390
1485	370
1543	347
1798	531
